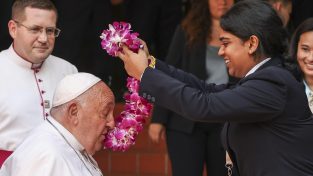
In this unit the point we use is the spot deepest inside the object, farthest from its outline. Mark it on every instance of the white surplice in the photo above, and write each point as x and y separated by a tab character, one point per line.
26	94
50	150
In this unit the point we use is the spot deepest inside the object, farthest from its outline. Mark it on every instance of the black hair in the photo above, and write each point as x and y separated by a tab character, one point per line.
250	17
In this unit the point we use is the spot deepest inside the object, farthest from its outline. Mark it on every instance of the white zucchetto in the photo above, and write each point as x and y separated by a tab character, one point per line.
71	86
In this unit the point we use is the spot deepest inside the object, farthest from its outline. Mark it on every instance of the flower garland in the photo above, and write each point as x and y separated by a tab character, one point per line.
130	122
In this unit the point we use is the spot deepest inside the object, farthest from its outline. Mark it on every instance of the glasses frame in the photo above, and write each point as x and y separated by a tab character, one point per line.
55	34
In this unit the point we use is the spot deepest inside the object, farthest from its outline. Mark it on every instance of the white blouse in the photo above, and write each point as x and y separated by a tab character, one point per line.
309	95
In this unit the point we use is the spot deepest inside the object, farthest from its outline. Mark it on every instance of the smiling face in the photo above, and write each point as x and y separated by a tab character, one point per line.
305	54
237	54
31	46
96	118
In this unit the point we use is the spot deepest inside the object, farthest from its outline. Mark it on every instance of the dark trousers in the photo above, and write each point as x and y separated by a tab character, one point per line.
189	152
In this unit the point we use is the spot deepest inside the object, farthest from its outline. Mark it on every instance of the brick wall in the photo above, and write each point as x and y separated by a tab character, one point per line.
143	159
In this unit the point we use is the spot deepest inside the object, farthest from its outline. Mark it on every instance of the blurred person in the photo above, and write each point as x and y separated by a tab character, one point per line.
193	145
301	50
28	71
283	8
82	113
266	112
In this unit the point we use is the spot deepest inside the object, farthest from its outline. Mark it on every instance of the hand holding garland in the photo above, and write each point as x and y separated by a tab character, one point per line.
134	63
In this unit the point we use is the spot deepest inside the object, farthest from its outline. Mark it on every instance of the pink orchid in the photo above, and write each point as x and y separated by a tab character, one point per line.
117	35
136	110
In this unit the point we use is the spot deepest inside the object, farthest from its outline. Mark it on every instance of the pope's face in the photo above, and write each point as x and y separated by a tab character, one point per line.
97	119
28	42
236	54
305	54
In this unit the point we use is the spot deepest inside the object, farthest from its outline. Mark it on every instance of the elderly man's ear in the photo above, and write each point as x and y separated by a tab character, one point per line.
73	113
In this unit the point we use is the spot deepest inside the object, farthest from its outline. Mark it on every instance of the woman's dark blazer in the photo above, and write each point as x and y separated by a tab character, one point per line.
270	126
192	60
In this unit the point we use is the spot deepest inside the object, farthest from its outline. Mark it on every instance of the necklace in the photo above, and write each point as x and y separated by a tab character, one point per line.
137	109
78	155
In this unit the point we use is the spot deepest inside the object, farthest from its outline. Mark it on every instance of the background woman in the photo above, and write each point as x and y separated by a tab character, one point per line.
301	48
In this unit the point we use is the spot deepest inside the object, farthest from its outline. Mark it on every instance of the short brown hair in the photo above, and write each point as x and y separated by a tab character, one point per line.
19	7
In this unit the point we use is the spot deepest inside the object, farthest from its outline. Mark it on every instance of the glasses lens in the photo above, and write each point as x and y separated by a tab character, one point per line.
49	31
57	32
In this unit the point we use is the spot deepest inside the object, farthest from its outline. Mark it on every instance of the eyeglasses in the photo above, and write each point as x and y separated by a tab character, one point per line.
37	30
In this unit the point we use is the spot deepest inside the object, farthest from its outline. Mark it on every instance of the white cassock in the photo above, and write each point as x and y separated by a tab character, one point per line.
50	150
26	94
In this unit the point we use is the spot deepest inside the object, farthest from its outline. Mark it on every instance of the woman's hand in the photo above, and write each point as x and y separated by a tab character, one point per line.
134	64
156	132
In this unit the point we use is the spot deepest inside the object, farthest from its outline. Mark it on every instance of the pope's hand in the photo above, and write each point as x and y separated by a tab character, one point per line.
134	63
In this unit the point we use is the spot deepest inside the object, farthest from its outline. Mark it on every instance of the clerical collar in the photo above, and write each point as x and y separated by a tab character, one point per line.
22	62
36	66
257	66
67	135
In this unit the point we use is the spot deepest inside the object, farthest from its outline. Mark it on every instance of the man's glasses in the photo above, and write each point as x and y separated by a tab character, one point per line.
37	30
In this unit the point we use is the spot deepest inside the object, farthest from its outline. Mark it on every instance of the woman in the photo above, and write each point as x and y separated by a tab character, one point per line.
301	48
194	49
269	128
